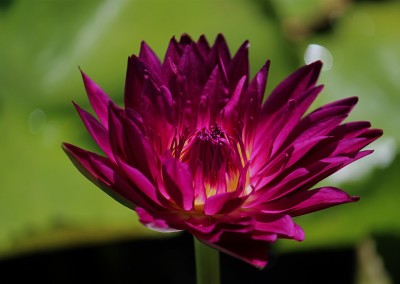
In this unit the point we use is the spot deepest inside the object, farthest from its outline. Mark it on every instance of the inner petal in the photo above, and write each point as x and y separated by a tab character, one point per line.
214	155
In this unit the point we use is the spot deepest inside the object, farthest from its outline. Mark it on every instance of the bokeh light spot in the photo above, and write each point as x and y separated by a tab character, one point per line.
316	52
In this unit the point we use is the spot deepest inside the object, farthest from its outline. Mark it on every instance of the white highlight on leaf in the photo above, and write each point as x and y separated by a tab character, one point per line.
85	40
316	52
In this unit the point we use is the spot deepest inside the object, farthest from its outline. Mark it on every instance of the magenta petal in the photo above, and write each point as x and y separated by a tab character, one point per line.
98	132
222	203
203	46
284	107
98	99
223	49
289	183
179	183
159	128
292	87
348	146
219	52
319	171
320	199
239	66
140	181
283	226
201	224
301	106
267	173
116	135
185	40
243	247
150	59
204	228
324	119
102	173
200	233
271	140
350	129
158	100
303	178
152	223
230	112
98	170
130	145
250	105
171	60
263	236
309	201
192	65
213	98
134	83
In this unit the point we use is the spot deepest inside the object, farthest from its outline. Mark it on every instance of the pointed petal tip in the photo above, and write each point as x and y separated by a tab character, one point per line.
350	101
378	132
185	39
203	38
265	68
64	146
178	182
244	46
220	37
132	57
314	69
83	74
143	47
173	41
69	149
316	64
259	264
86	78
354	198
354	99
77	107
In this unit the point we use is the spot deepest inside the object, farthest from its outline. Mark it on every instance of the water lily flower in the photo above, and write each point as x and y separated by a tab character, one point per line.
195	148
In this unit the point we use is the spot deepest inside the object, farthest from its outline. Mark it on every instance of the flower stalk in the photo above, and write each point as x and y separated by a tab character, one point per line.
207	264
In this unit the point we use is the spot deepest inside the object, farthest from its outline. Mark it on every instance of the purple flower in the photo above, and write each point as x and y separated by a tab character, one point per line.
196	149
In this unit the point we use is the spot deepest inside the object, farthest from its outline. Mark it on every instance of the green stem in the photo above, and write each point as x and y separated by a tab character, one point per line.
207	264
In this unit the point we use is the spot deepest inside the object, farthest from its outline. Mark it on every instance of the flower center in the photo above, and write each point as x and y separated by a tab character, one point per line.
214	159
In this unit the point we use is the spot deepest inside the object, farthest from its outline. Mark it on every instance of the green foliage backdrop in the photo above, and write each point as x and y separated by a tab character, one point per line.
45	202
